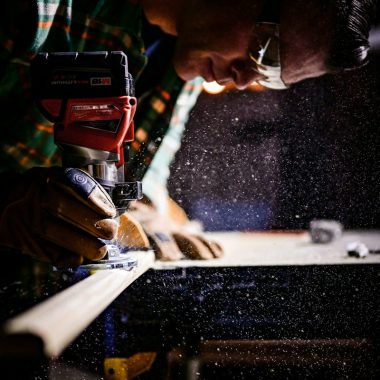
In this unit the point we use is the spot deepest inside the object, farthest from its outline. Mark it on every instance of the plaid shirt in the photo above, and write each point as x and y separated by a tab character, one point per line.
29	26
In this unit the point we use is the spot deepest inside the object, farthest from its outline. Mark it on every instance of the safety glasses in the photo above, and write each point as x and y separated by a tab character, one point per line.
267	59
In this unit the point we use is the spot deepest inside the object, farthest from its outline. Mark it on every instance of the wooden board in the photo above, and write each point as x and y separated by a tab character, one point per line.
57	321
282	248
61	318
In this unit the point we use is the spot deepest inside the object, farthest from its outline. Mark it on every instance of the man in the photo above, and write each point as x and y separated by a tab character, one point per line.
276	43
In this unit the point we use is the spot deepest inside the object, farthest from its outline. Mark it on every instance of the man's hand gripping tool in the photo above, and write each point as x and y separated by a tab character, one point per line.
90	98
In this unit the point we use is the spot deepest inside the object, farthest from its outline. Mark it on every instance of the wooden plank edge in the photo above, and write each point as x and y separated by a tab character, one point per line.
61	318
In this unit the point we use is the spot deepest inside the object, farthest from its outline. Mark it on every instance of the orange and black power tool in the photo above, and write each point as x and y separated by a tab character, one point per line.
90	98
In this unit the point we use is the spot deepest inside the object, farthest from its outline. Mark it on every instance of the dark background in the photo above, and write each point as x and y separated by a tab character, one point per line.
278	159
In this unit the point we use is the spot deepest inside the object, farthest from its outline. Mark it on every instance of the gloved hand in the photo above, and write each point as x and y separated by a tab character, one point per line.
169	235
57	215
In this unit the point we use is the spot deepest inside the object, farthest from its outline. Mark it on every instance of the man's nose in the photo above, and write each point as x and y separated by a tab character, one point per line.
244	73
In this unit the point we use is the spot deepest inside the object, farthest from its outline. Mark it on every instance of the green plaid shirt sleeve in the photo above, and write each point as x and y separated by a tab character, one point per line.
29	26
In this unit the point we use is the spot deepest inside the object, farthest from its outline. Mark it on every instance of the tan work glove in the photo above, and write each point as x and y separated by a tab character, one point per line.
57	215
167	234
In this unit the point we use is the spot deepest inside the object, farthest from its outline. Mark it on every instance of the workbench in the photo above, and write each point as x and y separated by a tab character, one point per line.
275	305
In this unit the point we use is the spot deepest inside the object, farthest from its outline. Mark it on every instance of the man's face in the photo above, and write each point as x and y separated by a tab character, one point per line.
214	39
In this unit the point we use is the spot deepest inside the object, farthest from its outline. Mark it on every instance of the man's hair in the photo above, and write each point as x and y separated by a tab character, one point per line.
350	42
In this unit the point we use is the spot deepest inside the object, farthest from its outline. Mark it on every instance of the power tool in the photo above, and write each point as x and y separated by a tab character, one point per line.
90	98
